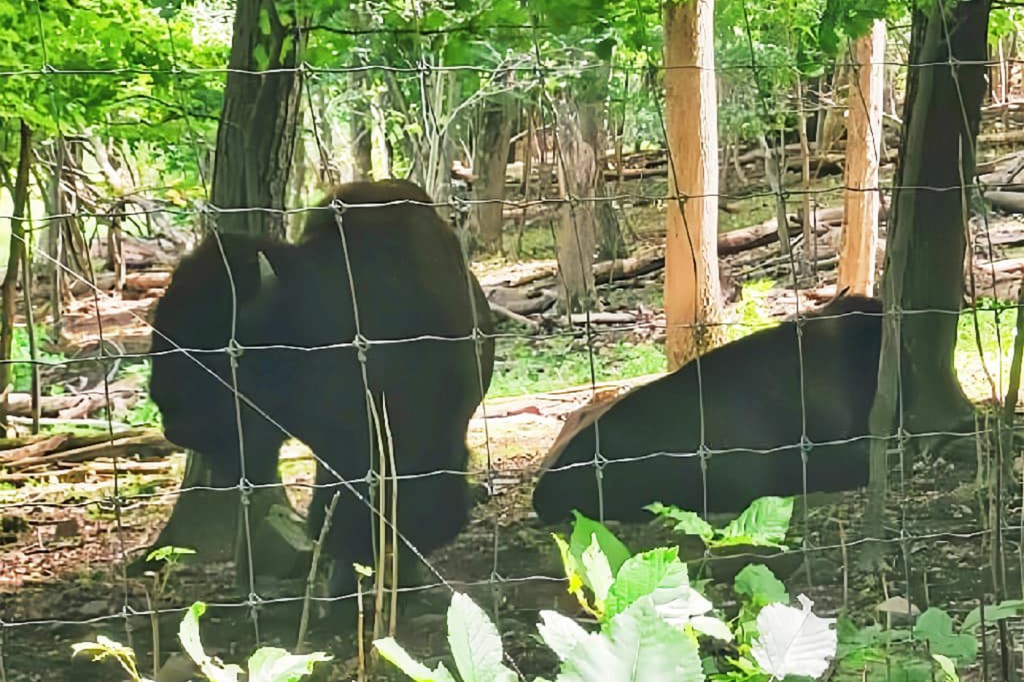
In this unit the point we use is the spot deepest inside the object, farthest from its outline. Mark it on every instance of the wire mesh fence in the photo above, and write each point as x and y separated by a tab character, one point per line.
372	341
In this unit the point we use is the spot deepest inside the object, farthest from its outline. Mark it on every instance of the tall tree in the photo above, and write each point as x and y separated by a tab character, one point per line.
922	284
255	143
256	137
491	158
692	291
863	150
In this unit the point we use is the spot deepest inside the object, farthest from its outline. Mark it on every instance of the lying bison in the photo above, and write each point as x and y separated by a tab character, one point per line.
753	420
290	307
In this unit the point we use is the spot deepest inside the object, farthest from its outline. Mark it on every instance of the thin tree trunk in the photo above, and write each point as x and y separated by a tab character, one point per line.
917	385
8	290
489	168
810	255
863	152
577	231
692	290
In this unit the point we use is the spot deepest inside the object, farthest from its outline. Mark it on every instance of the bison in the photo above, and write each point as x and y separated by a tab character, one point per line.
296	320
754	414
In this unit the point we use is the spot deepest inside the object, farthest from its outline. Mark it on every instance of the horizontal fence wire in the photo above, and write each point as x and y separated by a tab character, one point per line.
586	334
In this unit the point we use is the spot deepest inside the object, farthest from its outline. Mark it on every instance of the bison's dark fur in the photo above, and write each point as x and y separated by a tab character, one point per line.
751	405
410	281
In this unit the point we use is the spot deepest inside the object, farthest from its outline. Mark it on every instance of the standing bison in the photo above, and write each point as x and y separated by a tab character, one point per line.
754	417
299	343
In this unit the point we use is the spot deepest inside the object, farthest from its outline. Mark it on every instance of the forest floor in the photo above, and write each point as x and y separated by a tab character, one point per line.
62	544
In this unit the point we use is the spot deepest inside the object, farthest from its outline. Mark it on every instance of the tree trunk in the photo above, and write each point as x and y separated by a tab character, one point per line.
360	132
923	278
256	136
8	290
863	152
489	168
692	292
255	144
577	229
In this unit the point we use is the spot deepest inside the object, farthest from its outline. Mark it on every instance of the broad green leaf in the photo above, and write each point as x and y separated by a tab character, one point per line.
764	523
393	652
793	641
660	575
264	21
1009	608
560	633
188	634
686	522
947	667
260	57
573	571
936	627
475	642
271	664
598	572
168	553
639	646
712	627
759	585
583	529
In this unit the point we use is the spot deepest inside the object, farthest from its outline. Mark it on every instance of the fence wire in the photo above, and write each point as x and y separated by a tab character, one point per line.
539	77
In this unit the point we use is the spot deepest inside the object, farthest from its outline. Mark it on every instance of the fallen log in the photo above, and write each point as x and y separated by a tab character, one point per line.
502	311
138	282
62	406
151	444
1012	202
34	449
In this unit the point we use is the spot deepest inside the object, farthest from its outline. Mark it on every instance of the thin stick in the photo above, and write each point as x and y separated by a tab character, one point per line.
393	617
311	578
380	506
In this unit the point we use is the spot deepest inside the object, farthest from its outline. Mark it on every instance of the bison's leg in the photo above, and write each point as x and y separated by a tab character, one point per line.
207	515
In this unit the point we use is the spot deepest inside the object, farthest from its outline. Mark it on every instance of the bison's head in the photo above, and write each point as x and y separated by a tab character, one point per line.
215	290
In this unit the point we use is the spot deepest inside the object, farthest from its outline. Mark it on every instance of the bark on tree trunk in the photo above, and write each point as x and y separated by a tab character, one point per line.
255	143
692	290
256	135
8	290
577	229
863	152
917	384
489	168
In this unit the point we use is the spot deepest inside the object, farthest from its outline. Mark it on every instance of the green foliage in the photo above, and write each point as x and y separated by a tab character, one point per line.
267	664
651	624
764	523
21	356
534	366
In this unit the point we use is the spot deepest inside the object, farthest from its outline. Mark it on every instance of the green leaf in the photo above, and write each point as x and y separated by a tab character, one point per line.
264	21
188	634
613	548
393	652
659	575
947	667
1009	608
475	642
271	664
793	641
169	553
560	633
759	585
687	522
936	627
639	646
764	523
597	571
